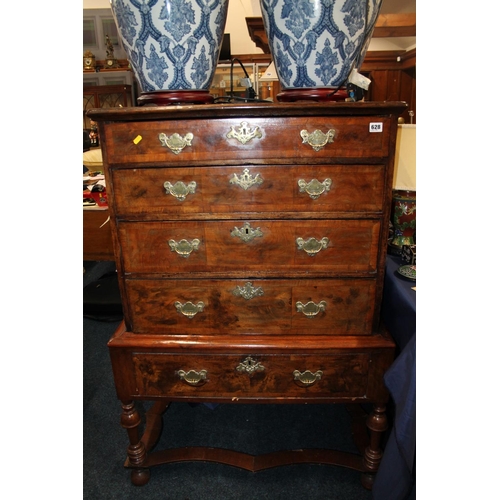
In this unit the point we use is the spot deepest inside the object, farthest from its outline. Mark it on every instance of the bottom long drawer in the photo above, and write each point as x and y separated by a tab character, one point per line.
228	376
302	307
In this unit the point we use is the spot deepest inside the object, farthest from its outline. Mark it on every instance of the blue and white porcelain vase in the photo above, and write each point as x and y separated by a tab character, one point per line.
315	44
172	45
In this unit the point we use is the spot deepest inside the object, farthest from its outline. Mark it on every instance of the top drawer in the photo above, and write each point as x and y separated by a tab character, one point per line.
252	138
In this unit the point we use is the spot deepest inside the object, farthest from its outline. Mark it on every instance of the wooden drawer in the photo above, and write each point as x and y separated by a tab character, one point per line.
260	138
222	376
267	246
346	189
236	307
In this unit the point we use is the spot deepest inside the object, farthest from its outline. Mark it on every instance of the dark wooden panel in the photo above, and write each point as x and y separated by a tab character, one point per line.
351	246
348	306
354	188
265	138
343	374
97	244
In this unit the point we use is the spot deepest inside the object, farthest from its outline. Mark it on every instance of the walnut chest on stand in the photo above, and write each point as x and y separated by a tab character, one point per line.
250	243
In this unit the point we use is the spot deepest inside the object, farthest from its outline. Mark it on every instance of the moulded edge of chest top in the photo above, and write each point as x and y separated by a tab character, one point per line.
367	108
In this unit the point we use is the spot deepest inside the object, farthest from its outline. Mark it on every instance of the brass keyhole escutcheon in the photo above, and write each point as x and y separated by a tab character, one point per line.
246	233
246	180
250	366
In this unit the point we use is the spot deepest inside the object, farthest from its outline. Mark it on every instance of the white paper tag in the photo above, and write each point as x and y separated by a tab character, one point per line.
359	80
376	127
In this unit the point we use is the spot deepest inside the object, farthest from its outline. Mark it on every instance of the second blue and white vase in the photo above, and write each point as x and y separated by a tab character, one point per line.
315	44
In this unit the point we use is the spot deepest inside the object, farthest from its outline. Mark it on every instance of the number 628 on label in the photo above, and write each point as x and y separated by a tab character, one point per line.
376	126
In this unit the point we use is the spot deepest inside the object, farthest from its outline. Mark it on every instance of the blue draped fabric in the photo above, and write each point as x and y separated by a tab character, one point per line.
396	476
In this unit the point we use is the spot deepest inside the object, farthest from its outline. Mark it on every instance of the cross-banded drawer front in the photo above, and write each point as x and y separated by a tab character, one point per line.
155	192
236	307
268	246
246	138
222	376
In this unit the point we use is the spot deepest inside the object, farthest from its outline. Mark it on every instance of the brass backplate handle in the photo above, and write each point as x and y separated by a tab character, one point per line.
184	247
307	378
317	139
193	377
310	309
180	190
312	246
176	143
314	188
189	309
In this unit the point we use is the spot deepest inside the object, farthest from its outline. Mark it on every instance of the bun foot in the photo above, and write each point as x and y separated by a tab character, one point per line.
140	477
367	480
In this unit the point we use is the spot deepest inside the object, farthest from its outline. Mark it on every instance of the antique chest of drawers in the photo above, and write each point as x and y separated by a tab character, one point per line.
250	244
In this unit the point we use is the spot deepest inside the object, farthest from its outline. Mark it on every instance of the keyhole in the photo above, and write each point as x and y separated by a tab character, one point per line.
246	230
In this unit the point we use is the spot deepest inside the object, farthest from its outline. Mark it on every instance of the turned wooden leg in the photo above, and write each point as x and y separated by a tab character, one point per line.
136	450
377	424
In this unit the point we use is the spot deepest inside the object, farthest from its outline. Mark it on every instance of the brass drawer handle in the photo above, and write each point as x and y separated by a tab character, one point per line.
189	309
248	291
244	133
176	143
246	233
310	309
312	246
246	180
314	188
180	190
184	247
307	378
317	140
250	366
193	377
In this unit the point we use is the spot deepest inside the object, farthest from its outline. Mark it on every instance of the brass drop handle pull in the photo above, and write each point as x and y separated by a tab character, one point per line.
189	309
317	139
310	309
314	188
176	143
184	247
180	190
193	377
306	378
312	246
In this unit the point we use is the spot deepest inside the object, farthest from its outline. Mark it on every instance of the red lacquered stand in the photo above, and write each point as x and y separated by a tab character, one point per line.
312	94
166	98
